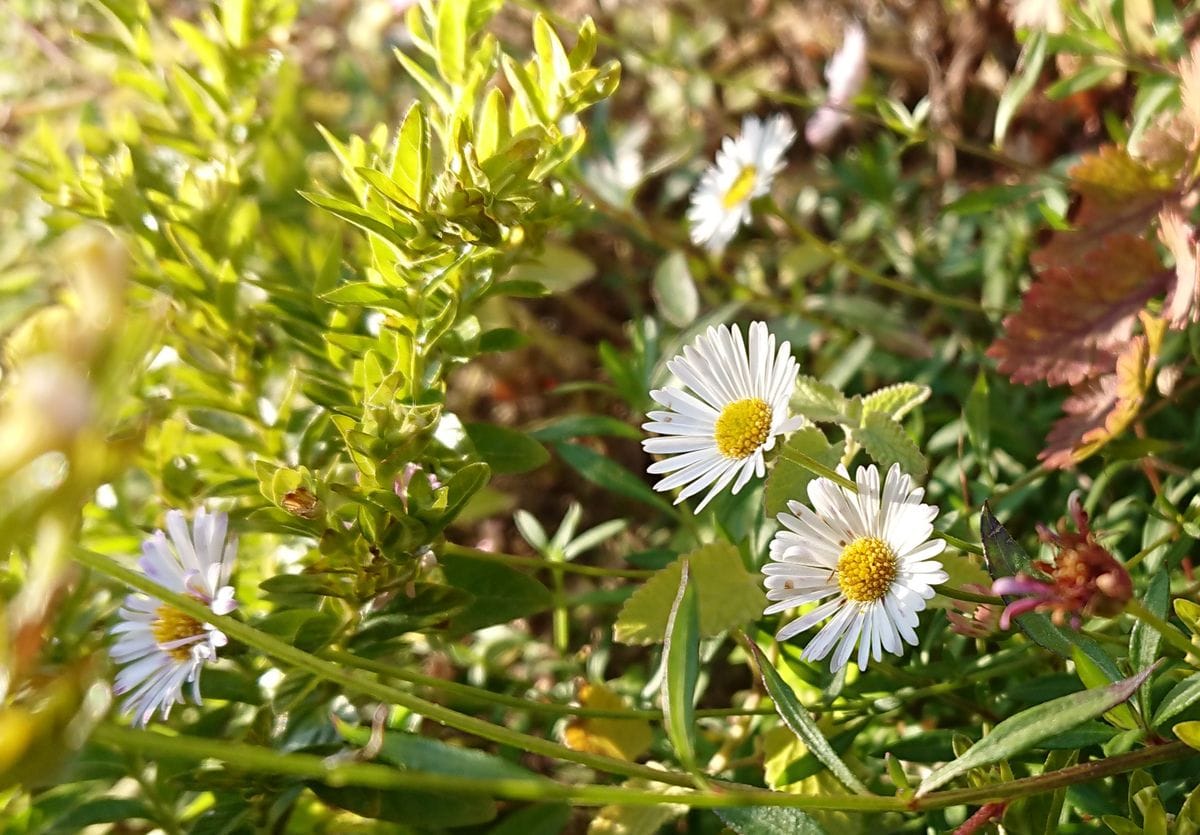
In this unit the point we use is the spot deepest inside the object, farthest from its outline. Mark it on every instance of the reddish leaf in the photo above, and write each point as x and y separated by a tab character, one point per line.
1075	318
1101	409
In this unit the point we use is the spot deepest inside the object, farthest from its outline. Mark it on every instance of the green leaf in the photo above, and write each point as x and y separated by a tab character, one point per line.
1143	639
451	37
1178	699
235	20
582	426
728	596
1085	79
1029	68
1021	732
432	809
1039	813
769	820
977	416
505	450
788	480
674	291
104	810
681	651
559	268
607	473
819	402
801	723
1188	733
359	292
500	593
410	161
1092	676
896	401
887	443
412	752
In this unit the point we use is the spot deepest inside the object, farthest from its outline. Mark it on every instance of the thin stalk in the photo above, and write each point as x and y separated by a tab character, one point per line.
960	544
541	562
481	696
277	649
1149	549
1169	633
308	766
967	596
813	465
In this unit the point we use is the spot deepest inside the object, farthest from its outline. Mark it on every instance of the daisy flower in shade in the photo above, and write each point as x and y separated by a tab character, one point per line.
161	647
744	170
718	432
867	555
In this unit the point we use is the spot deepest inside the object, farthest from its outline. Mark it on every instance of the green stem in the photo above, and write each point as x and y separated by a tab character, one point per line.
960	544
1169	633
480	696
259	759
1149	549
967	596
540	562
299	659
813	465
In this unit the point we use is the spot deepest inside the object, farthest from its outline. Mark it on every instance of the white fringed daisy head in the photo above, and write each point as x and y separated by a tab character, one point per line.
866	557
733	405
161	647
744	170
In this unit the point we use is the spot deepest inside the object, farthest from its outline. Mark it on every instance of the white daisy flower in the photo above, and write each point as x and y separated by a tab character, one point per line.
740	403
870	552
744	170
163	647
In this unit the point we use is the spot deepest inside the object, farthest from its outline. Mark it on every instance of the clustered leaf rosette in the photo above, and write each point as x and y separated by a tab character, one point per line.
868	555
718	432
161	647
744	169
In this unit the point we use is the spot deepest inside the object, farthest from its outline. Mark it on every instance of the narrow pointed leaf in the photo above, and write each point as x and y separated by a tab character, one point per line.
1023	731
452	39
1143	639
1180	697
682	653
801	723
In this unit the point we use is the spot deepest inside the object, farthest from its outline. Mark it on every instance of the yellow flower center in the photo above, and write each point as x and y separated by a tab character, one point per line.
866	569
174	625
741	188
743	426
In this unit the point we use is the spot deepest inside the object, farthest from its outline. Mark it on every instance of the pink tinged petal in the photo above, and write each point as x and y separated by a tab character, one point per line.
182	540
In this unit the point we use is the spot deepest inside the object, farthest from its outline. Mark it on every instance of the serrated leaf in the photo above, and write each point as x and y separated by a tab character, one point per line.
897	400
727	596
887	443
801	723
1021	732
788	480
625	739
681	654
769	820
818	401
1101	409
